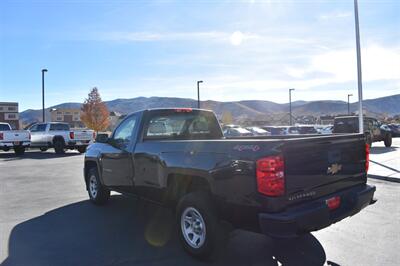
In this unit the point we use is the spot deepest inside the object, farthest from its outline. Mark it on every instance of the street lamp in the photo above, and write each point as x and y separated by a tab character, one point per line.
348	103
290	105
198	93
43	70
359	76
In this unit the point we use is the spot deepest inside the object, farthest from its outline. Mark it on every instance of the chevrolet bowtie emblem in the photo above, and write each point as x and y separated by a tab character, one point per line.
334	168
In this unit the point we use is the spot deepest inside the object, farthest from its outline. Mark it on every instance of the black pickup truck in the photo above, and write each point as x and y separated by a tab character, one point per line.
282	186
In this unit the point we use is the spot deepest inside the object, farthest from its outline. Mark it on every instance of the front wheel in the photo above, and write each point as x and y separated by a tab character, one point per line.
82	149
388	140
199	227
98	194
19	150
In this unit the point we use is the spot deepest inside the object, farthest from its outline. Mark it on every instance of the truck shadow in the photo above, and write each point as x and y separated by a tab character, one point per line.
11	156
380	150
125	232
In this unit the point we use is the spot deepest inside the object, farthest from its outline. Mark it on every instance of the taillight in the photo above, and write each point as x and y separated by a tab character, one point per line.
29	134
1	136
183	110
366	157
333	203
271	176
94	135
71	135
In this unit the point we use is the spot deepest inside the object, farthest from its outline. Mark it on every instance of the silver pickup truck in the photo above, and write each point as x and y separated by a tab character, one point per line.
14	139
60	137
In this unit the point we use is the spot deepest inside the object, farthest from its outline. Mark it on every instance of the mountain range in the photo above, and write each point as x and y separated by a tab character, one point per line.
240	110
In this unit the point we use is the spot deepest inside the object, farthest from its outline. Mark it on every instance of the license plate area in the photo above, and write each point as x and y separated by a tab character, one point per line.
16	142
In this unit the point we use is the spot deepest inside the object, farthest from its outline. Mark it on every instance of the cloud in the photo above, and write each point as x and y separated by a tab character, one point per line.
378	63
235	38
335	15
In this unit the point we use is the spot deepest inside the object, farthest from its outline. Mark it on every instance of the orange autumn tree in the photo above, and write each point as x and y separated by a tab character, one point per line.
95	113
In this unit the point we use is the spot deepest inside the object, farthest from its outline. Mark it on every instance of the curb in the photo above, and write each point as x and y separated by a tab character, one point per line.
385	178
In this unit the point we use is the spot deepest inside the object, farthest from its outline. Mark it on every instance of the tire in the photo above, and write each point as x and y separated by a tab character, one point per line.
43	149
59	146
388	140
98	194
19	150
202	236
82	149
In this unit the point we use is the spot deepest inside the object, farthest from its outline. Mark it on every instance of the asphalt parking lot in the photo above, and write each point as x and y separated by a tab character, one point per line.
46	219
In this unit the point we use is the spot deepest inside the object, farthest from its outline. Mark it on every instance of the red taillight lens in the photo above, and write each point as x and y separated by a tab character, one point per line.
271	176
333	203
71	135
183	110
29	135
94	135
366	157
1	136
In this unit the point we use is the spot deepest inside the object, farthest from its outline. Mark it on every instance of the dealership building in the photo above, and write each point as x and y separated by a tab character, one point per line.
9	114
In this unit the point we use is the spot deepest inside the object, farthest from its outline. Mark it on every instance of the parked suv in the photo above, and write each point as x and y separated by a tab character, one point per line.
374	131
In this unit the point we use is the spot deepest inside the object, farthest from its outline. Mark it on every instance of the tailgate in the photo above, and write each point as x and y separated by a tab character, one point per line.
83	135
16	135
318	166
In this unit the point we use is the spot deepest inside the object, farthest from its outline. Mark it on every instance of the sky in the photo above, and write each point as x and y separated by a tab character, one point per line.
242	50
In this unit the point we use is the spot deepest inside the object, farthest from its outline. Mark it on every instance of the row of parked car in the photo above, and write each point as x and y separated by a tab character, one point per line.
374	130
44	136
238	131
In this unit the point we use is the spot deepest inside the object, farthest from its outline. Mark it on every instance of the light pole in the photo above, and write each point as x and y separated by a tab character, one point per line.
359	76
198	93
43	70
348	103
290	106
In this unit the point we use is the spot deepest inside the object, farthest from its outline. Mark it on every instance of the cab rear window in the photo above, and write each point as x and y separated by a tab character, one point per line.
182	125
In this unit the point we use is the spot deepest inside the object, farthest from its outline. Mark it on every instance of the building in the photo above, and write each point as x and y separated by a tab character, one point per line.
9	114
70	116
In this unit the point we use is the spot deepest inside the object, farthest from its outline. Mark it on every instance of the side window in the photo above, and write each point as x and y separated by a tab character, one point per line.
41	128
123	134
33	128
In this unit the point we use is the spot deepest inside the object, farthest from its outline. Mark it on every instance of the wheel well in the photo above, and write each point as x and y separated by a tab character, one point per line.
89	165
178	185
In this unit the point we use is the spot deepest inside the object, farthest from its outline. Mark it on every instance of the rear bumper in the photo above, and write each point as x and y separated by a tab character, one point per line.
78	143
315	215
12	144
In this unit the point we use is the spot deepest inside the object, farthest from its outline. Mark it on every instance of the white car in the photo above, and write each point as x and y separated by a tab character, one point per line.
60	137
14	139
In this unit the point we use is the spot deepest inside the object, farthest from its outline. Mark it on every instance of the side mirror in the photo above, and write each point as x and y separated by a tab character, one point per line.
102	138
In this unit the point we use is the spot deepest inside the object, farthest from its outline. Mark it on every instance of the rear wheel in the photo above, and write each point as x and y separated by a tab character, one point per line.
199	228
43	149
388	140
59	146
19	150
98	194
82	149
